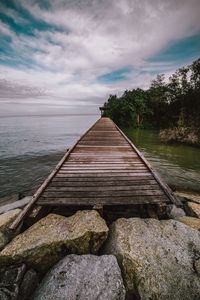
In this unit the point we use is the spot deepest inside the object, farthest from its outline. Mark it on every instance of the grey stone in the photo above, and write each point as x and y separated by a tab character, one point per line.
9	199
190	221
5	220
193	209
157	258
85	277
17	204
176	212
28	285
10	280
189	196
48	240
4	239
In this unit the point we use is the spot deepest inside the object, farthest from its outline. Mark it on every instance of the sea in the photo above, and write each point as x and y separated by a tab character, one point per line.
31	146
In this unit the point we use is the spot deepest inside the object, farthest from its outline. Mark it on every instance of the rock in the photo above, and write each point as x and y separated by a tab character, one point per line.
197	266
9	199
189	196
28	285
156	258
193	209
83	277
176	212
10	280
16	204
5	220
190	221
4	239
48	240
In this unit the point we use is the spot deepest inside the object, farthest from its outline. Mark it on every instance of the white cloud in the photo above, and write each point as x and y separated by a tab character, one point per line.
97	37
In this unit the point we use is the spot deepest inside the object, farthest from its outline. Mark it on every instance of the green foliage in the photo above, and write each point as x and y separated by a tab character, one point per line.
165	104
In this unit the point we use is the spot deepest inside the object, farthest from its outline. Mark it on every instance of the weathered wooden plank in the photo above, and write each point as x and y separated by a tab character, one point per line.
102	174
101	165
87	194
105	168
98	171
99	183
102	188
78	178
104	201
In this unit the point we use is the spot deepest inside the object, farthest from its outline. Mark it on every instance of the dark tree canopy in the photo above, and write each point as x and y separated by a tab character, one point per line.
165	104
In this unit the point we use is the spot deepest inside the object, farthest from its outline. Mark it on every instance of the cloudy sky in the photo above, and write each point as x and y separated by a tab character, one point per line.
64	56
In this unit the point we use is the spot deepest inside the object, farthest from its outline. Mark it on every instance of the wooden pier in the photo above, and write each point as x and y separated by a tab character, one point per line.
103	169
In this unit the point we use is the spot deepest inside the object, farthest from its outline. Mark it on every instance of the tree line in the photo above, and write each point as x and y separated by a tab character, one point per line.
165	104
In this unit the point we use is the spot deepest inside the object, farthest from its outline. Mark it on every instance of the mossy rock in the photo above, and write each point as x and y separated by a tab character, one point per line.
54	236
157	258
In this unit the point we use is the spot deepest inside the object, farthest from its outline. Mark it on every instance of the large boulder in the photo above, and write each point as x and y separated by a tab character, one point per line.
193	209
14	205
44	243
157	258
83	277
17	283
190	221
189	196
175	212
10	280
5	220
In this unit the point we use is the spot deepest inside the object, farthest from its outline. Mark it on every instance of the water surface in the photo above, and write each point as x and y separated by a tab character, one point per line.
178	164
31	146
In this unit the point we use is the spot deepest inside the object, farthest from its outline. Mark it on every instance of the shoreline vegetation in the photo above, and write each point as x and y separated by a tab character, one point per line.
172	106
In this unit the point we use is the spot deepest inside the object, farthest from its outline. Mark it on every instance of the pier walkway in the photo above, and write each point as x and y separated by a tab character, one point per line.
102	169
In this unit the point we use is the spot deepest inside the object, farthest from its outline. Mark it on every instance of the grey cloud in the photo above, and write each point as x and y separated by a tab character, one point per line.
12	90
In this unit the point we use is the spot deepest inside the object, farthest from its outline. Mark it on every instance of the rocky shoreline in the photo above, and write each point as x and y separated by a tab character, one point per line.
83	257
184	135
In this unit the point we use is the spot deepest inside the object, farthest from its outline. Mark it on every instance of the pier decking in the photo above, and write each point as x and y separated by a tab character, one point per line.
102	169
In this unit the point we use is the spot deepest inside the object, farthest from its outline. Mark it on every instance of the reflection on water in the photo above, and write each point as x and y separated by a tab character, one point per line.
178	164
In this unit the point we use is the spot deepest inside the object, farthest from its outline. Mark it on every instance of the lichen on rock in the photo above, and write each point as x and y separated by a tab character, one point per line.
5	220
86	277
190	221
193	209
54	236
156	257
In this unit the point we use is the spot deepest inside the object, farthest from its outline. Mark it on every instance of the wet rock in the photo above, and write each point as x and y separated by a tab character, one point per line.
54	236
193	209
176	212
10	280
9	199
83	277
156	258
190	221
28	285
17	204
5	220
4	239
197	266
189	196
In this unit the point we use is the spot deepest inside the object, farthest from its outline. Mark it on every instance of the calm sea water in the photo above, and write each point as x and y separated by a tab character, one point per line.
178	164
31	146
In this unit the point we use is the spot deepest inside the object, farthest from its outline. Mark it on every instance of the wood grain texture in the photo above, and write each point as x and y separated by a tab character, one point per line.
103	169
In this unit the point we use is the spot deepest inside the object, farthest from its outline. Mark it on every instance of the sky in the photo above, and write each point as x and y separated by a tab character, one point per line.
67	56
